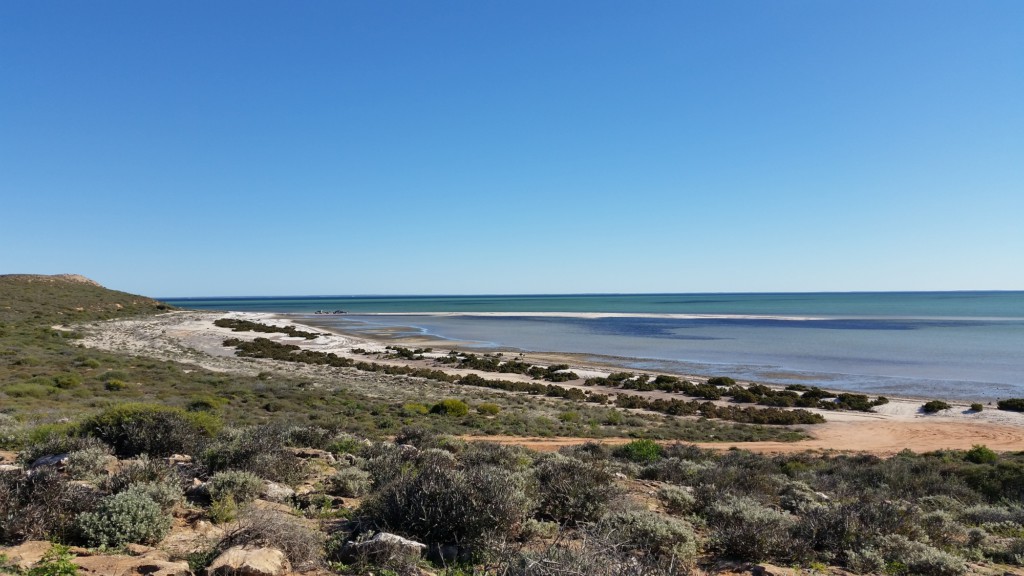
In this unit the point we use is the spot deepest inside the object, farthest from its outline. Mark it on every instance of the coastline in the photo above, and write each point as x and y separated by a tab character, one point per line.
192	337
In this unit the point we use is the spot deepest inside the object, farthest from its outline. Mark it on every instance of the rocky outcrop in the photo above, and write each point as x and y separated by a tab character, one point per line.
249	561
151	564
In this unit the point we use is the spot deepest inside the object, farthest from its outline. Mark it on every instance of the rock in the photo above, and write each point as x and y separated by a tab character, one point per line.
51	460
621	476
10	468
770	570
147	551
106	565
276	492
249	561
307	453
27	554
394	541
198	490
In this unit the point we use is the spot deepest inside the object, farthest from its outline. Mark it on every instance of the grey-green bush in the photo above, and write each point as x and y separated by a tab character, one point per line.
239	485
571	490
919	558
89	462
438	502
167	493
671	539
348	482
128	517
745	529
676	500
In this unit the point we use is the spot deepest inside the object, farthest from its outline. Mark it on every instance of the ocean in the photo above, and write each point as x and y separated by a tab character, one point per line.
957	345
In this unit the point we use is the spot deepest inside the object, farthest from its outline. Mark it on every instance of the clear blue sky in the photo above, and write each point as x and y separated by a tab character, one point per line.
411	147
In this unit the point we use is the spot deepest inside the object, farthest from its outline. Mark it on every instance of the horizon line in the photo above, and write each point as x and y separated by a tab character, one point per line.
543	294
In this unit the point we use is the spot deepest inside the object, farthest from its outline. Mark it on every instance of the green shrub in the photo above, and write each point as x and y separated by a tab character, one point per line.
1011	404
206	403
640	451
57	561
133	429
27	390
67	381
348	482
488	409
115	385
977	407
240	485
450	407
223	510
981	454
572	490
933	406
414	408
128	517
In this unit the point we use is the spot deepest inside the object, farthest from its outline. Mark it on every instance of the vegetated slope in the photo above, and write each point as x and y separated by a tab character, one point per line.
36	298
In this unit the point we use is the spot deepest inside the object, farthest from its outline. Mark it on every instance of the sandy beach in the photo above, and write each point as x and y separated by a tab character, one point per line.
192	337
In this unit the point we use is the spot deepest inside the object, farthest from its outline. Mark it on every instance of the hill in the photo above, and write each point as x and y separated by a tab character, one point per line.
61	298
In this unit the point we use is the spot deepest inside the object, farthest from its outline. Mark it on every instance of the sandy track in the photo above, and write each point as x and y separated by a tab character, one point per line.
883	438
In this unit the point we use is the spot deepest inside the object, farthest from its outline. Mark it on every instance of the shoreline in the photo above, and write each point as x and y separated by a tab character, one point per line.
416	337
191	337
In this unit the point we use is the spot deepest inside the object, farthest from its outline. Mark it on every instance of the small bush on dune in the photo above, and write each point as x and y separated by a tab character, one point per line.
934	406
128	517
1011	404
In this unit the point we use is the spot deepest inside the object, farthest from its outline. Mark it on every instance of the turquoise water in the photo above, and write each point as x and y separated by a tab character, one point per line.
967	345
900	304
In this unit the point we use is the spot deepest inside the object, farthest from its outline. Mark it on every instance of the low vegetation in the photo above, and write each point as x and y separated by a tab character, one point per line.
490	508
